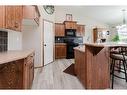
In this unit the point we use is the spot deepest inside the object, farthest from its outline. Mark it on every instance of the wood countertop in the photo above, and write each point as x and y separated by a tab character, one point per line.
80	48
14	55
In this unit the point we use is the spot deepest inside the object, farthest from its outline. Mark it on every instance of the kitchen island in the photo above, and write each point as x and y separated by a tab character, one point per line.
16	69
93	69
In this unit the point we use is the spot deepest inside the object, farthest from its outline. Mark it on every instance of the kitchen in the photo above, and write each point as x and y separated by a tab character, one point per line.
55	66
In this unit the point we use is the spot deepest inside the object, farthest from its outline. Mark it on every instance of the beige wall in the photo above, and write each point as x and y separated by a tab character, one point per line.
81	18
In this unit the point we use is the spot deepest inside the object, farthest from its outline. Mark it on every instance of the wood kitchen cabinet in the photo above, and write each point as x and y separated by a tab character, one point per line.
80	66
80	30
59	29
60	51
17	74
95	34
2	16
70	24
14	15
11	17
29	71
31	12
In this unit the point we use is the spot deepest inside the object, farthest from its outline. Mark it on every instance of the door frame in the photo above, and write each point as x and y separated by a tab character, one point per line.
53	39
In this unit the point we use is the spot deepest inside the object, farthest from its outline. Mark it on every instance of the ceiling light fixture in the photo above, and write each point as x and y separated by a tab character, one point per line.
124	20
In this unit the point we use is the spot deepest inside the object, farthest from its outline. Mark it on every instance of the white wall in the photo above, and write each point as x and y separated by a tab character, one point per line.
32	40
60	16
33	37
14	40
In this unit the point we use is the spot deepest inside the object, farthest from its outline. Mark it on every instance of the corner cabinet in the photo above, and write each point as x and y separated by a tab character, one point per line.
59	29
31	15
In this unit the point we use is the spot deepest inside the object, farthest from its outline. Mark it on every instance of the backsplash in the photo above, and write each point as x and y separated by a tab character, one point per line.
3	41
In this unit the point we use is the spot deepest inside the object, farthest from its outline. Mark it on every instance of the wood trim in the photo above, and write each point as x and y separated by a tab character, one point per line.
38	67
53	40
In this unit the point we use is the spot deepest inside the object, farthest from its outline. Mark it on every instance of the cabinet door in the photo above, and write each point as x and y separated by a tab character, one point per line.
59	29
31	73
28	12
14	17
10	17
70	25
18	18
11	75
60	51
2	16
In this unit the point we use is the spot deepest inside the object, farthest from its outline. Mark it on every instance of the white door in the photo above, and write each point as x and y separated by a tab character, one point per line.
48	42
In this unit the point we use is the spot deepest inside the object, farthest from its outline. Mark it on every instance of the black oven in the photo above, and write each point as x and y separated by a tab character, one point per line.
70	32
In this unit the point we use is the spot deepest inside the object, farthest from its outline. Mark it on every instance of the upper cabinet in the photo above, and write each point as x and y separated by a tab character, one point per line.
2	16
59	29
31	15
80	30
70	25
12	16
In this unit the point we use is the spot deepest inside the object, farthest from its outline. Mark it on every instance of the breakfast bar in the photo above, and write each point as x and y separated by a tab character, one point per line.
94	70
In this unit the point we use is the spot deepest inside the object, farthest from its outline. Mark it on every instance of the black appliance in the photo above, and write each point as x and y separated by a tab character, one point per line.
70	32
71	43
59	39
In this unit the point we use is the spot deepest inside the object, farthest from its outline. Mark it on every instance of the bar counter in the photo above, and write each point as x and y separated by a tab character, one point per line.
93	65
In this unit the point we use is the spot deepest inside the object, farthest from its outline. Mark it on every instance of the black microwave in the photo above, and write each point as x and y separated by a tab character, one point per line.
70	32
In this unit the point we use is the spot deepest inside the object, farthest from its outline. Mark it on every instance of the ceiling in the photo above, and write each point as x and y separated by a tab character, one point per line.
111	15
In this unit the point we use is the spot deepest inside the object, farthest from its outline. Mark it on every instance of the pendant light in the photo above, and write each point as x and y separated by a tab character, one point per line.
124	20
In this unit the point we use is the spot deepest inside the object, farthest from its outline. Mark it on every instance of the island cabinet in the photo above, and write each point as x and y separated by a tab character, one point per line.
92	66
70	24
80	66
17	74
97	66
60	50
59	29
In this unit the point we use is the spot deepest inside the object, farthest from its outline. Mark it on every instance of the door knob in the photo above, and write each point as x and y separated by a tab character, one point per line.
44	44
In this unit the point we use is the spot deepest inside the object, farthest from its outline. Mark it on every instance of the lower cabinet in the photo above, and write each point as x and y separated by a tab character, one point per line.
60	51
80	66
28	71
17	74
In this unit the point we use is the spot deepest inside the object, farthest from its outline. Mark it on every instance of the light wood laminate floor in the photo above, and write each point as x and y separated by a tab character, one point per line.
52	76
